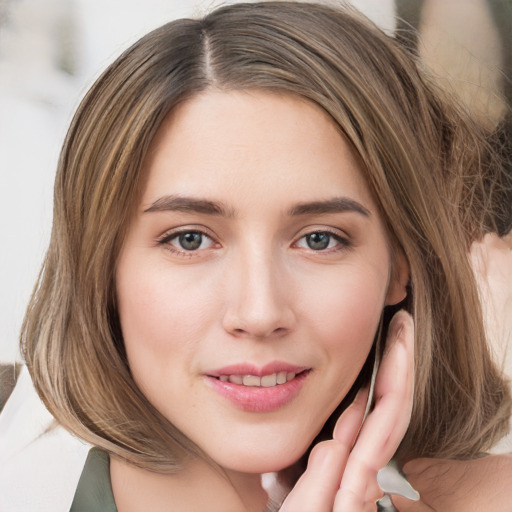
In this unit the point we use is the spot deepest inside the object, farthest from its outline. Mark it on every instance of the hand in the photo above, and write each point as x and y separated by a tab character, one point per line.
452	486
341	473
492	263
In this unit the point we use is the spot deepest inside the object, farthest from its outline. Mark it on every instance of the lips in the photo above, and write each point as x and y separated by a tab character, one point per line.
259	389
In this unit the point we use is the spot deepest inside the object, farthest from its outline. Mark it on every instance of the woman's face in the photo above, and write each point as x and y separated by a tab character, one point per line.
253	276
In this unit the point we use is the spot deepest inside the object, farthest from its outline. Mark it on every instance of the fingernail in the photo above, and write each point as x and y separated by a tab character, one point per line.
397	325
395	330
391	481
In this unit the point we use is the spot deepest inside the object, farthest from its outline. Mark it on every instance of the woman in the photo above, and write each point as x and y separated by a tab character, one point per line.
242	204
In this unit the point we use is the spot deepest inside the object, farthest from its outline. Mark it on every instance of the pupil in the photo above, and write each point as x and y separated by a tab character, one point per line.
318	241
190	241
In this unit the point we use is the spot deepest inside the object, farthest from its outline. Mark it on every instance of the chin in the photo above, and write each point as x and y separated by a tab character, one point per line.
260	460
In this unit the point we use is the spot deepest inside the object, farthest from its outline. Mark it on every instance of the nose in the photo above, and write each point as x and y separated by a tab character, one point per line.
259	297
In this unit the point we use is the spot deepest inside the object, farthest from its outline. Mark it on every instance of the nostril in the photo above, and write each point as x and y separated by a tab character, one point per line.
277	332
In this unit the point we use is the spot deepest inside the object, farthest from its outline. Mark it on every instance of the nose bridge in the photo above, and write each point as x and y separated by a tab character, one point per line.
258	303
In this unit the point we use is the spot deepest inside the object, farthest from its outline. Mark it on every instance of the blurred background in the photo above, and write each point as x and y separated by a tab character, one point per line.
52	50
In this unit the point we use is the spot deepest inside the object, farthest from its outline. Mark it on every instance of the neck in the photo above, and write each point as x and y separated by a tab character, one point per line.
197	487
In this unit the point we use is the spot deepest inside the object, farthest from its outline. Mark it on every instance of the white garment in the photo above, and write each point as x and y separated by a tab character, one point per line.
39	465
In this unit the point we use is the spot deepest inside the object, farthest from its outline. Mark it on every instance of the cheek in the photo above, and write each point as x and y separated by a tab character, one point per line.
345	305
343	312
162	314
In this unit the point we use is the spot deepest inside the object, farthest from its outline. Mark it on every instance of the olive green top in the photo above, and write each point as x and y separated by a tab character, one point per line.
94	492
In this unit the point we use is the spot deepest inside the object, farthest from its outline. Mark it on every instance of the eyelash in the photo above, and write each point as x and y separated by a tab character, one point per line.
343	243
168	237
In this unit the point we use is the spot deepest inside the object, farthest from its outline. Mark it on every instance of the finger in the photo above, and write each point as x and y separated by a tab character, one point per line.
346	431
317	487
359	497
349	423
352	501
385	426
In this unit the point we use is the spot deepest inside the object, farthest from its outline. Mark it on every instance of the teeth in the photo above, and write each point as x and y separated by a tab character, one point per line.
236	379
281	377
267	381
251	380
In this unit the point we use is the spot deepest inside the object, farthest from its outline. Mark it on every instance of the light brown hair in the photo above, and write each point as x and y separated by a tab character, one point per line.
426	163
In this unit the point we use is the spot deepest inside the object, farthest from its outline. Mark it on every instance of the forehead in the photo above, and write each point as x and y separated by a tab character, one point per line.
255	144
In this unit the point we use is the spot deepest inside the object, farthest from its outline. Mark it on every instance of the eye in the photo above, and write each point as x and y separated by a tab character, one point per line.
322	240
187	241
190	241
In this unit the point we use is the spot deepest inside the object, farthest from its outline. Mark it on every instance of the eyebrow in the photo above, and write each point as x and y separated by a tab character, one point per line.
189	204
334	205
208	207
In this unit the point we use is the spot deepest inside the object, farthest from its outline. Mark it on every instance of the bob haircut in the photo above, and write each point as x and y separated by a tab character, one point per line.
427	165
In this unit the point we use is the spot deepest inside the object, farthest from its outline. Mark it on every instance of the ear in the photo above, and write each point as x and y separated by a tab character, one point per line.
397	289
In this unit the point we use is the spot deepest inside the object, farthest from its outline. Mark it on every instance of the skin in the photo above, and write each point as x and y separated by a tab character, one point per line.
341	473
256	291
492	263
451	485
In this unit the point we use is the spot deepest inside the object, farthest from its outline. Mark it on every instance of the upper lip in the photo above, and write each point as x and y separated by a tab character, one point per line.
259	371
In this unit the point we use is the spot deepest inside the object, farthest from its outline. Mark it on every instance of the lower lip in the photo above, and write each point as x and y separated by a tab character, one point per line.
259	399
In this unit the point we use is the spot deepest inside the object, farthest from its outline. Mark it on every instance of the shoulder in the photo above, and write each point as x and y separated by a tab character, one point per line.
94	491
